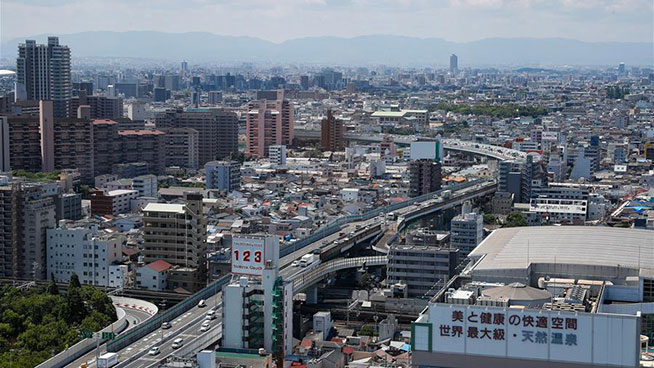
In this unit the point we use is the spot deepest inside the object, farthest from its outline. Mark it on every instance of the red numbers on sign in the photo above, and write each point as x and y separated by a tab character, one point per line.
247	255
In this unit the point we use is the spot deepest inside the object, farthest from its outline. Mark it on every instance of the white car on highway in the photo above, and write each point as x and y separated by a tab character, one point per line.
206	325
211	314
154	351
178	343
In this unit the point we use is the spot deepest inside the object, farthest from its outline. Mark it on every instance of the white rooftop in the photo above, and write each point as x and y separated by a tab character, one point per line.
118	192
164	207
516	248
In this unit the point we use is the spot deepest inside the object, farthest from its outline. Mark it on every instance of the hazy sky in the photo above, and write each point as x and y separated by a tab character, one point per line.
279	20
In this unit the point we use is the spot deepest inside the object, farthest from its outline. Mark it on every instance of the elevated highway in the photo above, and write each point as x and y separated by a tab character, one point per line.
481	149
305	279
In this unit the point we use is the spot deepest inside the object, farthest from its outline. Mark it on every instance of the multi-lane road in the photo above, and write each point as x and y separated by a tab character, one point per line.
187	327
134	318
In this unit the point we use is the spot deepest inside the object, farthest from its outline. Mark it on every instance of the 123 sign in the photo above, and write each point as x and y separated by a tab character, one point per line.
248	256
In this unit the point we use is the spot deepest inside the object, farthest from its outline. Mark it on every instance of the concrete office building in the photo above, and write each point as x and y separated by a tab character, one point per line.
89	252
521	177
424	269
223	175
4	145
304	82
112	202
416	118
68	206
182	147
560	205
136	111
177	234
101	107
425	177
534	175
214	97
454	64
510	179
43	73
332	131
268	123
502	203
467	230
277	155
87	87
160	94
26	211
217	130
146	185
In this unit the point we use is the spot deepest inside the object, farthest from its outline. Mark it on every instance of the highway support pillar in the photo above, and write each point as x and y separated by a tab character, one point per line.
312	295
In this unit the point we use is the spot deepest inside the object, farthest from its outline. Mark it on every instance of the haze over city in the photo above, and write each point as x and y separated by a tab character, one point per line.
439	27
326	184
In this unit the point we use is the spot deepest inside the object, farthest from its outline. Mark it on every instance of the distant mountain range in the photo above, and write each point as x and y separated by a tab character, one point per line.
363	50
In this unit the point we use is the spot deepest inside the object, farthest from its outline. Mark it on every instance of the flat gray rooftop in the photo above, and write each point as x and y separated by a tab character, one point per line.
516	248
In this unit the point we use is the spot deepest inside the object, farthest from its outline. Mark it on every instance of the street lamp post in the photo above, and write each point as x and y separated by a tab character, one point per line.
163	306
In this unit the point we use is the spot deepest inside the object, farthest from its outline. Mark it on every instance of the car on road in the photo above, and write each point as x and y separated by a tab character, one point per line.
154	351
178	343
211	314
166	325
295	263
202	304
205	326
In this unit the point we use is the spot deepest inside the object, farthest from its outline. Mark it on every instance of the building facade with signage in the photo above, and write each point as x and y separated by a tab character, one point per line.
258	303
568	296
480	336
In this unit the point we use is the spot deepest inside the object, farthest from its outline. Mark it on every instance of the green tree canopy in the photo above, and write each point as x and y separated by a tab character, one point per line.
38	321
490	219
515	219
52	288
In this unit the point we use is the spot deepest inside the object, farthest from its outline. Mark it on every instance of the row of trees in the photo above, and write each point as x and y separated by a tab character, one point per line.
503	111
514	219
38	322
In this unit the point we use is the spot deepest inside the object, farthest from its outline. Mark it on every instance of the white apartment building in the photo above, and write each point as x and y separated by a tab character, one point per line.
146	185
89	252
277	154
467	230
